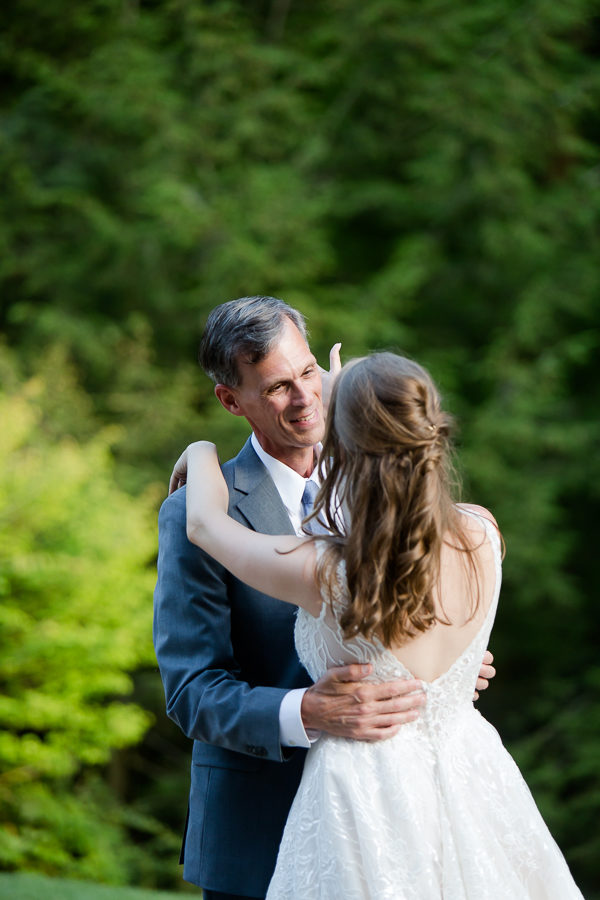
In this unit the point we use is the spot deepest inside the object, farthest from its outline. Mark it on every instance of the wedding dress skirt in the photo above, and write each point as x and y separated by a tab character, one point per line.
438	812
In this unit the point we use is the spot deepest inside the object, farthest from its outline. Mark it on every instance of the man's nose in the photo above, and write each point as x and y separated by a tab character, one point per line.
300	394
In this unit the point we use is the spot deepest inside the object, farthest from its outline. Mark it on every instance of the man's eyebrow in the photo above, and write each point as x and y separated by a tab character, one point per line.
310	364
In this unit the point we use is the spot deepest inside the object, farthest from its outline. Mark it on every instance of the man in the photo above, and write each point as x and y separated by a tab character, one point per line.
232	678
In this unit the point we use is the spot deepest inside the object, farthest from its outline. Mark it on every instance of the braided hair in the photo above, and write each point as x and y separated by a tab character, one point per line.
386	460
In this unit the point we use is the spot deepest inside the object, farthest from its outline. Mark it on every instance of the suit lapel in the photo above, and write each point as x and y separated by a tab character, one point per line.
255	496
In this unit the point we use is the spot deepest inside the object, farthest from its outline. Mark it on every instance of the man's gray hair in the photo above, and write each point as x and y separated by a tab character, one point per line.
248	327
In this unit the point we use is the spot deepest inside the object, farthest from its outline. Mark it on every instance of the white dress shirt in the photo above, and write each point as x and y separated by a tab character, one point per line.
290	486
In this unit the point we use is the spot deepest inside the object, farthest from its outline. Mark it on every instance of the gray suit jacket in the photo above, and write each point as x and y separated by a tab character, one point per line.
227	657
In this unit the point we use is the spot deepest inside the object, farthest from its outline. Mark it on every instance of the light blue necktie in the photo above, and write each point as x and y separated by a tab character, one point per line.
308	502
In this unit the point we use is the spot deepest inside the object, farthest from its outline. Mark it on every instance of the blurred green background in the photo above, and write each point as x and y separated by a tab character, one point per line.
420	176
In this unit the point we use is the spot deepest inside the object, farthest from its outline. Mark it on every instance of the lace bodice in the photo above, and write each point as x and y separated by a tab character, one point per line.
321	645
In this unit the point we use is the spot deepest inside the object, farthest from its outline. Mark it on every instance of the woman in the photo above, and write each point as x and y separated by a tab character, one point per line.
406	581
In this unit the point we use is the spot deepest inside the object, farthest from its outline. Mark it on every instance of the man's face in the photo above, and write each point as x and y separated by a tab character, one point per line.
280	396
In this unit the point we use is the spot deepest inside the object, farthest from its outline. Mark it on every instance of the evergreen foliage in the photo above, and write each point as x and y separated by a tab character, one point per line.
415	176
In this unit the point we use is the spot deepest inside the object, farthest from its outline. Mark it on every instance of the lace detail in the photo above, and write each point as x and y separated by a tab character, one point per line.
438	812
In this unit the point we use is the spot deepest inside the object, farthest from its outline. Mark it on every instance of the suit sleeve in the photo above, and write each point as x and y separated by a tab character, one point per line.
205	694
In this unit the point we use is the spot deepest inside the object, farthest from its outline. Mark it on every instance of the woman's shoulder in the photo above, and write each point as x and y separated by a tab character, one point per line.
481	527
479	511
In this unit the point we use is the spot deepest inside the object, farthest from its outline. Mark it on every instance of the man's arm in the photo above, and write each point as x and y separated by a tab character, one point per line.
201	677
204	691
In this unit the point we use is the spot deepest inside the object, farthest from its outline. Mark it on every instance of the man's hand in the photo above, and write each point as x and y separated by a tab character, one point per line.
344	704
486	672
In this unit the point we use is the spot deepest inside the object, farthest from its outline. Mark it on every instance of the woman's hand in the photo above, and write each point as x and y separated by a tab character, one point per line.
204	454
179	474
207	497
328	377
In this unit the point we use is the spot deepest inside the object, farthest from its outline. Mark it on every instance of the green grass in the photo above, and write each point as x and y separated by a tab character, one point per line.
39	887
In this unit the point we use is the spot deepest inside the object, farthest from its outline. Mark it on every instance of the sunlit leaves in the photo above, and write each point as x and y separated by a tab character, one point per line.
75	585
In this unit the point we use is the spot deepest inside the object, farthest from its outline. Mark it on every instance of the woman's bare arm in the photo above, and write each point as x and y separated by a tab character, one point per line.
260	560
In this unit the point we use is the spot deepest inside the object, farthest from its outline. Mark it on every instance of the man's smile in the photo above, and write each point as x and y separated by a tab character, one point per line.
307	418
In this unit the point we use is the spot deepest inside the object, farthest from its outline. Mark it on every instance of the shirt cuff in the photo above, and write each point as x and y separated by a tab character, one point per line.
291	730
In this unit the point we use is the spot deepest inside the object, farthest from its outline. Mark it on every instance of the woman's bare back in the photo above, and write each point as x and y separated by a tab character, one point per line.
460	587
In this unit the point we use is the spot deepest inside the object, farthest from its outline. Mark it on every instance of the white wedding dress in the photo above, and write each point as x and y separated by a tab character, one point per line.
438	812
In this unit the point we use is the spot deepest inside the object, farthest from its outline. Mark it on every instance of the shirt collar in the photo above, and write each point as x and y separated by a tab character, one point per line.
288	482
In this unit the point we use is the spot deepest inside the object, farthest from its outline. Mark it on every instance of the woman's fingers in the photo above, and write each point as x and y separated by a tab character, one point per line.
335	363
179	473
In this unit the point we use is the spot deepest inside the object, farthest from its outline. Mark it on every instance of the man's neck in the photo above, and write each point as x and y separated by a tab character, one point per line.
301	459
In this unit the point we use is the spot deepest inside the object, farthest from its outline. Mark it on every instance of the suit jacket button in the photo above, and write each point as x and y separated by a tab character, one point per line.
256	751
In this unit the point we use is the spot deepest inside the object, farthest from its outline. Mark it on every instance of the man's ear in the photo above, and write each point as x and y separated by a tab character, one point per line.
228	398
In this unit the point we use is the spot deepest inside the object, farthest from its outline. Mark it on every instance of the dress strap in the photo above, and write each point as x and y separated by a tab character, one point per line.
493	535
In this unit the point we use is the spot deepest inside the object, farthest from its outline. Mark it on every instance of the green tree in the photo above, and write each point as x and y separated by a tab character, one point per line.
415	176
74	623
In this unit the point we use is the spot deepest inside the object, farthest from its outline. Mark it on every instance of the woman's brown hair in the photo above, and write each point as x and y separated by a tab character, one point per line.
386	463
